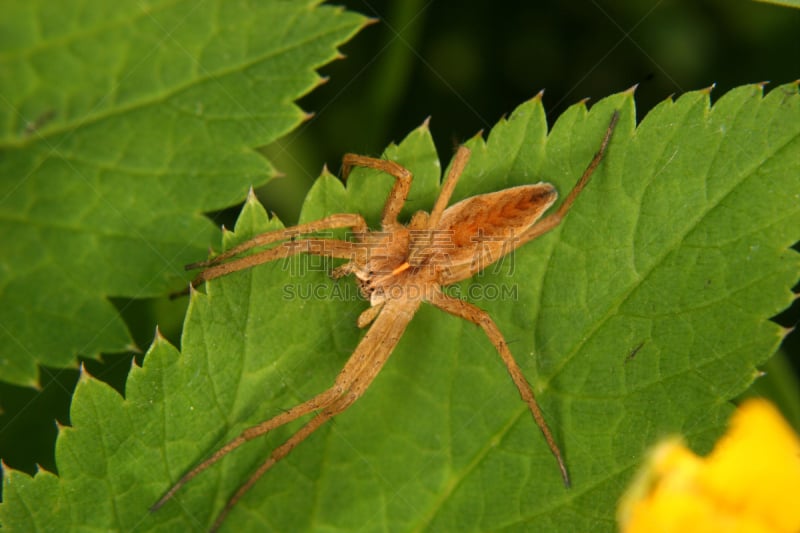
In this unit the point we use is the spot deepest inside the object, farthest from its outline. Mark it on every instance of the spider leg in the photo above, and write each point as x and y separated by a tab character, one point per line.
319	401
357	389
321	247
342	220
422	241
361	368
369	314
551	221
399	193
459	162
478	316
277	454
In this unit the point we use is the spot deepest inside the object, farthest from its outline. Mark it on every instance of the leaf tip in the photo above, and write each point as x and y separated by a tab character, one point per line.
83	375
760	86
707	90
33	383
539	96
326	172
478	137
631	90
785	332
132	347
422	129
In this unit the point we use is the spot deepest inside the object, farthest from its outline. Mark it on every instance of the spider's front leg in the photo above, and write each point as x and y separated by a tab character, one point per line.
402	184
342	220
321	247
219	266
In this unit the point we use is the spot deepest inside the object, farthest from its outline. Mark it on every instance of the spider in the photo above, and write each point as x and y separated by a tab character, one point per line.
397	269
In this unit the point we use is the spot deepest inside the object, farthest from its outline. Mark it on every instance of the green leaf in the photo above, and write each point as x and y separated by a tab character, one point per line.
120	124
642	315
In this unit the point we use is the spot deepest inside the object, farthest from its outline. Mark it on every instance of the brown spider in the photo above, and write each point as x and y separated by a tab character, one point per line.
397	269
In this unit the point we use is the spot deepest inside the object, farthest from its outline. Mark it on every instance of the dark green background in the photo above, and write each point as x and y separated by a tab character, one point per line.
465	65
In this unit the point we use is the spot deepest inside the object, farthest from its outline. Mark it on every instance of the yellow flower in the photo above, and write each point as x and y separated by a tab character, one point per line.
750	483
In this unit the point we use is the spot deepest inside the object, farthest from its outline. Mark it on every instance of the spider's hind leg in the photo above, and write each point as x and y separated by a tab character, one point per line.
481	318
551	221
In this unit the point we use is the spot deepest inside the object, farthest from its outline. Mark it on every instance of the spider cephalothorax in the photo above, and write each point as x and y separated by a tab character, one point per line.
410	261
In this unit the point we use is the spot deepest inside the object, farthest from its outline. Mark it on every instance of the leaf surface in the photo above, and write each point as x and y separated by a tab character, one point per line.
120	124
642	315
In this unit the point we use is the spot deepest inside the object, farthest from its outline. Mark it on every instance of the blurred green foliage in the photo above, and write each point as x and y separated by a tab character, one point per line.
464	65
